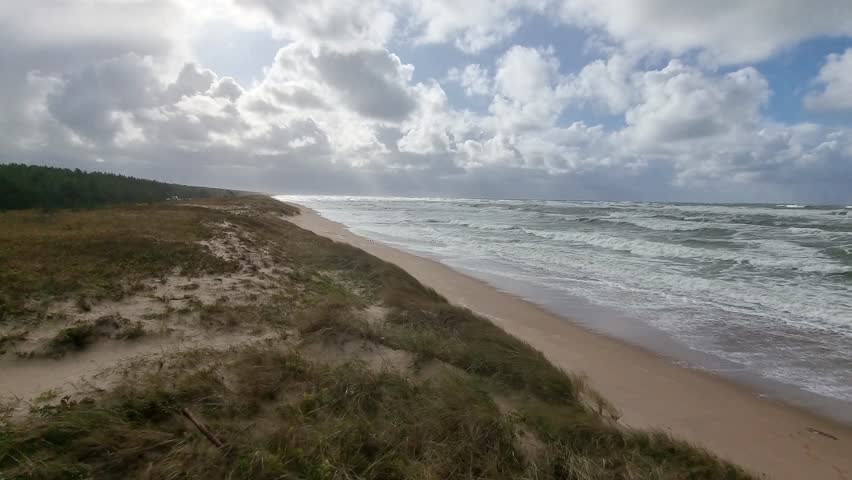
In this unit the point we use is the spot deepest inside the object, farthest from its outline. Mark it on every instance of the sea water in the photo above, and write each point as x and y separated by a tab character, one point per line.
766	288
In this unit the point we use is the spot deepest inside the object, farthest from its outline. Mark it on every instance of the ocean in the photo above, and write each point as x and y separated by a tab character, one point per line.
761	292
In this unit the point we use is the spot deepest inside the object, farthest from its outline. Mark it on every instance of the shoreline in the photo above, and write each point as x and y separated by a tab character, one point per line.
615	324
764	435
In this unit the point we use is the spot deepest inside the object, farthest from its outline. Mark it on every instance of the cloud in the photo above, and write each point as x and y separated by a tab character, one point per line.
577	149
89	100
54	36
227	87
679	103
729	31
338	111
299	135
342	24
803	159
835	81
46	44
192	79
527	84
371	82
479	25
605	83
298	97
691	128
436	127
473	78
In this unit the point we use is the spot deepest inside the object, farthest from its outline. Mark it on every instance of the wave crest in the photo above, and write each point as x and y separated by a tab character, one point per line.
789	256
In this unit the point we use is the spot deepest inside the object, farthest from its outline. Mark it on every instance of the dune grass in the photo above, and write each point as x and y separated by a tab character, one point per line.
79	336
473	403
96	254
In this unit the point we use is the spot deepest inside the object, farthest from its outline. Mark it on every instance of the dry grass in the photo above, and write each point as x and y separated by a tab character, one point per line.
97	254
81	335
495	409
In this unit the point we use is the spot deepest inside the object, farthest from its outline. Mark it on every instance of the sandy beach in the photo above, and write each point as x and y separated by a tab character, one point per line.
764	435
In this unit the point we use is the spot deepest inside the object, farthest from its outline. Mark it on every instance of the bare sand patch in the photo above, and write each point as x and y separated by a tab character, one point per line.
166	311
94	368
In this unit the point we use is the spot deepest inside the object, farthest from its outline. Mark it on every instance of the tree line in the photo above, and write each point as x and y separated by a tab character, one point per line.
33	186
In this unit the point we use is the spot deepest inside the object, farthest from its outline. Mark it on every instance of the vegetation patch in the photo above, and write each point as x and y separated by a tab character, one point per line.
34	186
83	334
280	416
98	254
9	340
281	408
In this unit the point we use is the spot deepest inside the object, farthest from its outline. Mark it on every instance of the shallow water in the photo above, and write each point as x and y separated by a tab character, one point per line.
766	289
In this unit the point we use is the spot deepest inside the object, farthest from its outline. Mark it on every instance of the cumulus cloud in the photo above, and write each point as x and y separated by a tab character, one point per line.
575	149
227	87
89	101
604	83
835	84
299	135
477	26
343	24
437	127
729	31
679	103
46	47
527	82
192	79
371	82
473	78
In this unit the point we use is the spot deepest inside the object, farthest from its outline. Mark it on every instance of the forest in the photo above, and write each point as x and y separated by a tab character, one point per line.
33	186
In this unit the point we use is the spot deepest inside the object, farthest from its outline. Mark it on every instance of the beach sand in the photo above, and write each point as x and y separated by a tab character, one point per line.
761	434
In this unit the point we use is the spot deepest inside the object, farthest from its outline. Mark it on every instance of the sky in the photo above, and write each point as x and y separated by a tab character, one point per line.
639	100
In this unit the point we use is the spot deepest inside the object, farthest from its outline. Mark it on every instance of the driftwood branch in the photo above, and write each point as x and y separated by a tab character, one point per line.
202	428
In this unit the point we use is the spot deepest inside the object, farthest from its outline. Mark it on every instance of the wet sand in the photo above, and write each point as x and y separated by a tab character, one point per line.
763	435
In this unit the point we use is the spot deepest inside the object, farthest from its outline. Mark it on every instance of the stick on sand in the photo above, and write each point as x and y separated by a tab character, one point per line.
202	428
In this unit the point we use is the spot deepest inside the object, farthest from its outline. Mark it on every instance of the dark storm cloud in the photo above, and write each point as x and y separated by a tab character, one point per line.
88	99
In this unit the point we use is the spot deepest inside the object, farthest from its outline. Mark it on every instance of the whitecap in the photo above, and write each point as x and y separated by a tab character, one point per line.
788	255
483	226
659	224
816	232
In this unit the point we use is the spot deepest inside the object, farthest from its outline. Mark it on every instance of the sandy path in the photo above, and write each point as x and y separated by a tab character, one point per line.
763	435
26	379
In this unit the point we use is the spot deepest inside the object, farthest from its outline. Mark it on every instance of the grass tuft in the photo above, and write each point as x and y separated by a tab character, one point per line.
83	334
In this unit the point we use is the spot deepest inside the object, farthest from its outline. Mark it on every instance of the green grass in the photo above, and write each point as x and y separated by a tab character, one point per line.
35	186
496	408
